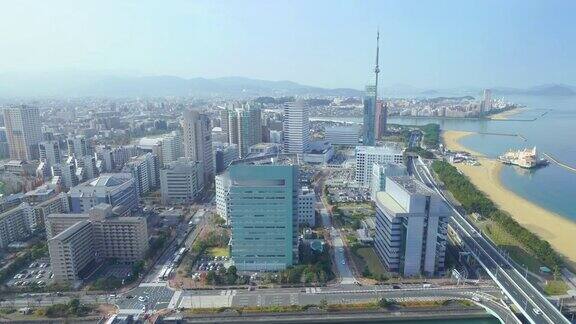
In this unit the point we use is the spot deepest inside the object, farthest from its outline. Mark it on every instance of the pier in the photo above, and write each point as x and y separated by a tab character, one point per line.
505	134
560	163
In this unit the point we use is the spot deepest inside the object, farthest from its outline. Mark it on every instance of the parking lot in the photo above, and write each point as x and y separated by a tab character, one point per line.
348	194
210	263
38	273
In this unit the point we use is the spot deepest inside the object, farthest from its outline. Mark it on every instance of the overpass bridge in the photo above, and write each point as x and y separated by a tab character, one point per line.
533	305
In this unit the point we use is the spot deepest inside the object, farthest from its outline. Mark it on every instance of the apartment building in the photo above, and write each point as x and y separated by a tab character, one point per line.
16	224
72	252
112	236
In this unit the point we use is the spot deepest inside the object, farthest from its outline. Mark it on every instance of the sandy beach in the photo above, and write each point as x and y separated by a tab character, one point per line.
557	230
506	114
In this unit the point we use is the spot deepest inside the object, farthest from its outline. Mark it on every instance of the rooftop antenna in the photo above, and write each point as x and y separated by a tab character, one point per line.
377	68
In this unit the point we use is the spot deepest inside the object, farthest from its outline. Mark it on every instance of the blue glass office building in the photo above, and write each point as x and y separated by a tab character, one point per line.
368	133
262	209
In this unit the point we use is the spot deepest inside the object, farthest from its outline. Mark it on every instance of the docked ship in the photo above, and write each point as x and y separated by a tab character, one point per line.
525	158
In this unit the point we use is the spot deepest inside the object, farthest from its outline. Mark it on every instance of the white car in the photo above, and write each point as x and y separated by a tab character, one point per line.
142	298
537	311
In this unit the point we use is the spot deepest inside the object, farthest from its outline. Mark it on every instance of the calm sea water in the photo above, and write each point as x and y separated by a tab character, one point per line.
551	187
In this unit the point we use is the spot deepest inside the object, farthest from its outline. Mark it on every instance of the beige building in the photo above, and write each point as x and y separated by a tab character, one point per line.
197	134
124	238
71	251
56	204
23	131
16	224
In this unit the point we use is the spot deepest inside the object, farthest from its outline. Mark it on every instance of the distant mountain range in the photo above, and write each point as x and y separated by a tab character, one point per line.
542	90
100	85
161	86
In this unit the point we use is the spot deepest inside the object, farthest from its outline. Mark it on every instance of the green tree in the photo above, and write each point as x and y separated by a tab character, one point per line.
385	303
324	303
212	277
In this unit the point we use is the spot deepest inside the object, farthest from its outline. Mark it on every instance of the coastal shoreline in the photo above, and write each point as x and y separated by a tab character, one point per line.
505	114
552	227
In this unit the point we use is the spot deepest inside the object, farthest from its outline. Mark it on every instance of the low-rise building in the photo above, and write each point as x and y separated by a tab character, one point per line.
319	152
116	189
342	135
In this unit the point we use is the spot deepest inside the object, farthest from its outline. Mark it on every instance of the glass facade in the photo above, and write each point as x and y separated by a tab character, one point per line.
368	136
262	208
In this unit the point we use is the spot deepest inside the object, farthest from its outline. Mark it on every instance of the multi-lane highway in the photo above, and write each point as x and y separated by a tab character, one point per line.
527	298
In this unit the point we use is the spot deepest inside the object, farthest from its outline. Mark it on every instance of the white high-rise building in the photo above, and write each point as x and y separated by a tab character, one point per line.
78	146
486	104
67	173
366	156
181	181
306	211
146	172
24	132
411	225
296	127
50	152
244	127
198	141
222	188
171	147
88	164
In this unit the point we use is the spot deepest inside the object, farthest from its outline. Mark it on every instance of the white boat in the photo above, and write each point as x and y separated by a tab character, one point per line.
525	158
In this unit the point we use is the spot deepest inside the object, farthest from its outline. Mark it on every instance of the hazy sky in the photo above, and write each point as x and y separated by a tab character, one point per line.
325	43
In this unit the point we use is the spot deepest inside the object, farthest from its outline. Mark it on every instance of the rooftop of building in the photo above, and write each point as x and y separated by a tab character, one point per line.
384	198
43	190
67	233
343	128
108	180
319	147
269	159
387	148
411	185
265	145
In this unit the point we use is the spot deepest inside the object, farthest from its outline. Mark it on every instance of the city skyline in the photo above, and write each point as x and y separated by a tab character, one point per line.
440	45
132	190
